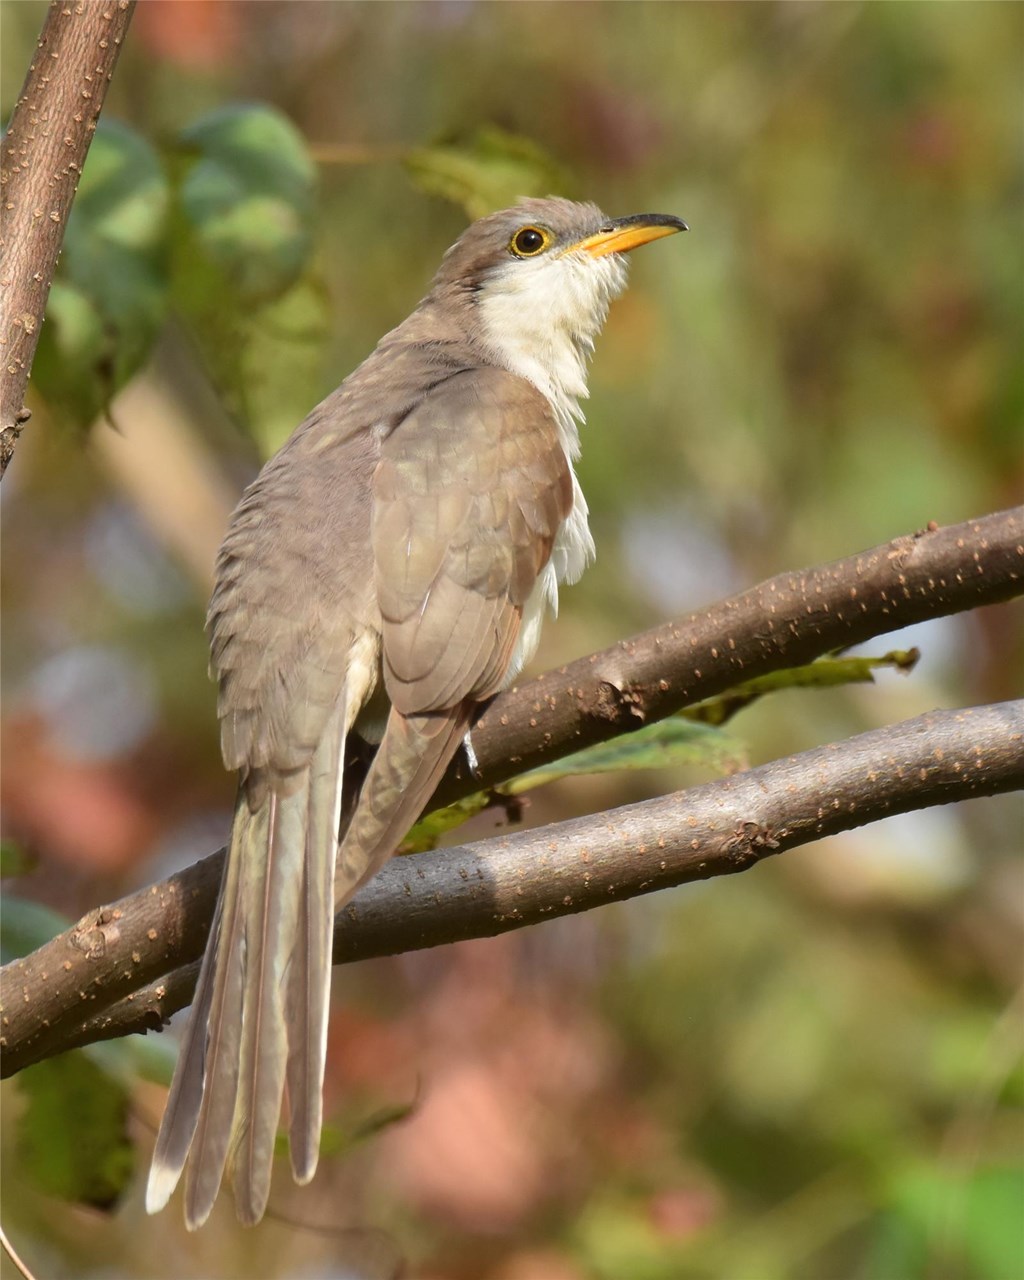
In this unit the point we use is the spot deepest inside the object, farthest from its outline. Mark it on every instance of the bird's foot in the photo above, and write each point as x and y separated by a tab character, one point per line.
471	760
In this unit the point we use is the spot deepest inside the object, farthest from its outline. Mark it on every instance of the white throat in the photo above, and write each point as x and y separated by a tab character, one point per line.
539	319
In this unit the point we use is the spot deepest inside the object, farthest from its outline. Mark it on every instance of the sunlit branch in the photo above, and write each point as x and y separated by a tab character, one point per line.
508	882
116	952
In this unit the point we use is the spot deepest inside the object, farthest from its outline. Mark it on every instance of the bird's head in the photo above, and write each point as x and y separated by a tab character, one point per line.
539	278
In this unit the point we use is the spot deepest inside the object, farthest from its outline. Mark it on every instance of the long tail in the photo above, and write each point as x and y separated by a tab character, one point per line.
309	984
260	1012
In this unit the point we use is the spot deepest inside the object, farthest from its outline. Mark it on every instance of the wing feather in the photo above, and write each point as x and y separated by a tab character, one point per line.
469	494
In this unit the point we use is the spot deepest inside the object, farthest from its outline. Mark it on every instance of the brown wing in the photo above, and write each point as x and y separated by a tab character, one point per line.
468	495
293	596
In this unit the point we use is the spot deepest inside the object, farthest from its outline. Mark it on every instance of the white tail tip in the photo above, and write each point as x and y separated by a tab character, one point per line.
160	1187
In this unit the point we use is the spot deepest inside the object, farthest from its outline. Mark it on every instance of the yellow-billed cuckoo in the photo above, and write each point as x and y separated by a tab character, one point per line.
388	571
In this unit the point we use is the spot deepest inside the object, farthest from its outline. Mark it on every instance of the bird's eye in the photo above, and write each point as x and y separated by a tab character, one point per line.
529	241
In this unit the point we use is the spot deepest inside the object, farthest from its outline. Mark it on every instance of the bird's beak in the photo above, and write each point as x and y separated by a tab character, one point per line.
627	233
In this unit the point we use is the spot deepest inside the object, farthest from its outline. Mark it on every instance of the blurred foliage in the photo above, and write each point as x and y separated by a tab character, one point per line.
109	298
249	197
14	861
490	170
811	1072
26	925
73	1135
244	206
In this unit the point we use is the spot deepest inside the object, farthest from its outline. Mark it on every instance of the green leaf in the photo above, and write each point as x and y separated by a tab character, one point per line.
249	197
109	297
26	925
76	330
289	331
383	1119
490	169
426	833
72	1137
670	742
337	1140
821	674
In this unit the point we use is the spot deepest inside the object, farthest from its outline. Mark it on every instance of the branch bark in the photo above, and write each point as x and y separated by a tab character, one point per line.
505	883
116	951
789	620
41	162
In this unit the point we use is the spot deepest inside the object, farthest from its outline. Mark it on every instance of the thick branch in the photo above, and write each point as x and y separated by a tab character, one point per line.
43	152
788	620
505	883
785	621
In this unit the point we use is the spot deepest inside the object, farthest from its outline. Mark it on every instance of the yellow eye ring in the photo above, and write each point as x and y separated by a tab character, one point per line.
529	241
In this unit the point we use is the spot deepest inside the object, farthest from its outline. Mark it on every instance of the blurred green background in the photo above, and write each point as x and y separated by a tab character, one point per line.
811	1072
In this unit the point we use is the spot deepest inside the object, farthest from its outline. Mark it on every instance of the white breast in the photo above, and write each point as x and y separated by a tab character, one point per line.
540	318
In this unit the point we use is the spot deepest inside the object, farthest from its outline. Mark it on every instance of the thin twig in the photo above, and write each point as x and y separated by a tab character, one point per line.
15	1258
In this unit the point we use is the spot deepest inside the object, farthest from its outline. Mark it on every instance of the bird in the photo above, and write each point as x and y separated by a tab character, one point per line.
386	573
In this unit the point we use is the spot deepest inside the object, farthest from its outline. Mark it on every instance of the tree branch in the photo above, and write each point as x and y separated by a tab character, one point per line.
505	883
789	620
115	951
41	162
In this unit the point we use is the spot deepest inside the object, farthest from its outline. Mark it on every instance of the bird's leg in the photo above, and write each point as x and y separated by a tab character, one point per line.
471	760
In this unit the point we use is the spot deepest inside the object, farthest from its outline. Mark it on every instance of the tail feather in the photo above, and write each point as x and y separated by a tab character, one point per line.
185	1098
412	756
222	1027
271	907
307	1002
260	1017
267	962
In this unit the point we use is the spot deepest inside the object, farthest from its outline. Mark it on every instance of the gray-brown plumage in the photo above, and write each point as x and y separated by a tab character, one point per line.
387	572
